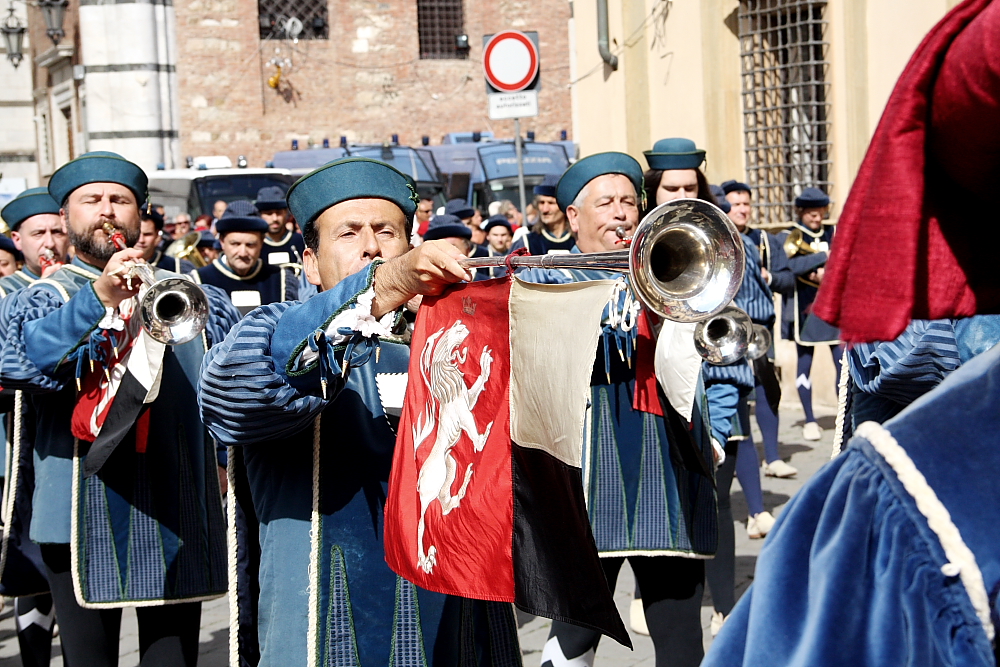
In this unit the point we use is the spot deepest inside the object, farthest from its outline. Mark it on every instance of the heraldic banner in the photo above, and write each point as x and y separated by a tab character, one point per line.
486	495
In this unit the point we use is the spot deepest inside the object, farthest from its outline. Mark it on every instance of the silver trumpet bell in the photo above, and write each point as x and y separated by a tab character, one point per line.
173	311
686	260
760	342
724	338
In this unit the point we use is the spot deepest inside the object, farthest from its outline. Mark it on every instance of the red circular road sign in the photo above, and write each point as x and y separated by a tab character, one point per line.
510	61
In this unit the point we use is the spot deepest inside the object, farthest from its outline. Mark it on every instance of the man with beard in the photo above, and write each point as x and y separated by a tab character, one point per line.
240	271
551	234
127	501
281	245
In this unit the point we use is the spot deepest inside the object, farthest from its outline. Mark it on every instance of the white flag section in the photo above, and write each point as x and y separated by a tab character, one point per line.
677	365
553	343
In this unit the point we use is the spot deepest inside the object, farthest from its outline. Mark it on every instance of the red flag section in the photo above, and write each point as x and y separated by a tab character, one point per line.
486	493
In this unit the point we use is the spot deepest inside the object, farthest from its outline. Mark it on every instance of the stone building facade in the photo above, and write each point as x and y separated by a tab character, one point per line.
366	81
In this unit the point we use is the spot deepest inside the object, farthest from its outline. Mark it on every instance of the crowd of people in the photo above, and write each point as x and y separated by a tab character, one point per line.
235	436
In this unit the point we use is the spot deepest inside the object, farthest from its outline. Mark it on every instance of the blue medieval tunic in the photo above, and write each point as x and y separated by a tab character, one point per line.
797	299
729	385
543	243
21	569
264	284
889	555
287	250
148	528
311	392
173	264
649	489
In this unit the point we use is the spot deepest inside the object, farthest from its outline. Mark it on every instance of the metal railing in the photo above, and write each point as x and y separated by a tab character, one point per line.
786	110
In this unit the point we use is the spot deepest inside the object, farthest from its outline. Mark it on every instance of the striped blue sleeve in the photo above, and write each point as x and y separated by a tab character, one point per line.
908	367
737	374
222	314
247	393
545	276
42	331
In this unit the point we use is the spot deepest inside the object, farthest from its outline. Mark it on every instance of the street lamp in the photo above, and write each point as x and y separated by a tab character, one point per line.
13	37
53	11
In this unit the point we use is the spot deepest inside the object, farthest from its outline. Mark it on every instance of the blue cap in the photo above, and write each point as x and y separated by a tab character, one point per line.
584	171
270	198
240	216
447	226
346	179
720	198
207	239
33	201
676	153
98	167
812	198
8	245
459	209
735	186
497	221
547	188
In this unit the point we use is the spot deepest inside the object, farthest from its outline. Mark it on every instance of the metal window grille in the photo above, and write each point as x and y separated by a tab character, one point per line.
786	113
439	25
293	19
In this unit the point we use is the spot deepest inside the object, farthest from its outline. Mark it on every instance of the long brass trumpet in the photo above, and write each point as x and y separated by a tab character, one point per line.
724	338
686	260
173	311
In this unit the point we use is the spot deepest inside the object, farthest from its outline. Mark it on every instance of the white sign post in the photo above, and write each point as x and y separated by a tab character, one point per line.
510	63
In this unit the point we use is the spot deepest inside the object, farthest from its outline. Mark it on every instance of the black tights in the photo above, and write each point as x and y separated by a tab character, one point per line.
720	572
672	589
168	634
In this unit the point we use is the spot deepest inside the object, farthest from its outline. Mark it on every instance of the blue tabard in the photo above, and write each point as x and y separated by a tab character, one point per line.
645	497
286	251
543	243
797	300
21	569
135	540
890	554
320	466
263	285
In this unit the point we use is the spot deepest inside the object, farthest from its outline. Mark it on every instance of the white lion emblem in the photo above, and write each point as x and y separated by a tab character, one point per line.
454	405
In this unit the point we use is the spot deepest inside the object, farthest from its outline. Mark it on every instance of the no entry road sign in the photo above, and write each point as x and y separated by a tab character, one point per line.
510	61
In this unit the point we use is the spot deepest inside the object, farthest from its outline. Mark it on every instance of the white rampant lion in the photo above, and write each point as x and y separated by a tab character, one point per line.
451	406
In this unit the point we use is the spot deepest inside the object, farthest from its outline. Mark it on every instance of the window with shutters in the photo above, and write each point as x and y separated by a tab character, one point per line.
293	19
440	25
786	110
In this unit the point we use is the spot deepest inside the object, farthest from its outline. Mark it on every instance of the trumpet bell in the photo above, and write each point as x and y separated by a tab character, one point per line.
760	342
686	260
723	338
174	311
186	247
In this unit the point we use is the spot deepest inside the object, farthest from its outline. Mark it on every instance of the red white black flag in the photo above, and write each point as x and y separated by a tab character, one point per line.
486	495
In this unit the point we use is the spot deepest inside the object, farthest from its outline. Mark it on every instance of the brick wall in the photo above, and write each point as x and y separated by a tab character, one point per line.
366	82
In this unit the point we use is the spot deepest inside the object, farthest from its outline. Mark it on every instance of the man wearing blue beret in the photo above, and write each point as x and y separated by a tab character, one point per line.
807	247
240	270
126	505
281	244
629	454
551	234
310	393
38	233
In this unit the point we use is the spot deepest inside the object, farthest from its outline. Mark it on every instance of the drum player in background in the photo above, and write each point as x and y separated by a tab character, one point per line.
807	247
240	271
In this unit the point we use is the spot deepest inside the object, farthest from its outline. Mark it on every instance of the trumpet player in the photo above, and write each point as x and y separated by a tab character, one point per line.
807	246
601	197
40	236
126	507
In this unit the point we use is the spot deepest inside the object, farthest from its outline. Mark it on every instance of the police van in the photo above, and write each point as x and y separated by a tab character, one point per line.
209	179
480	169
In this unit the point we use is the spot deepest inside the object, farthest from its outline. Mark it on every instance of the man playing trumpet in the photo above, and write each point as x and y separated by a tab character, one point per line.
126	506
